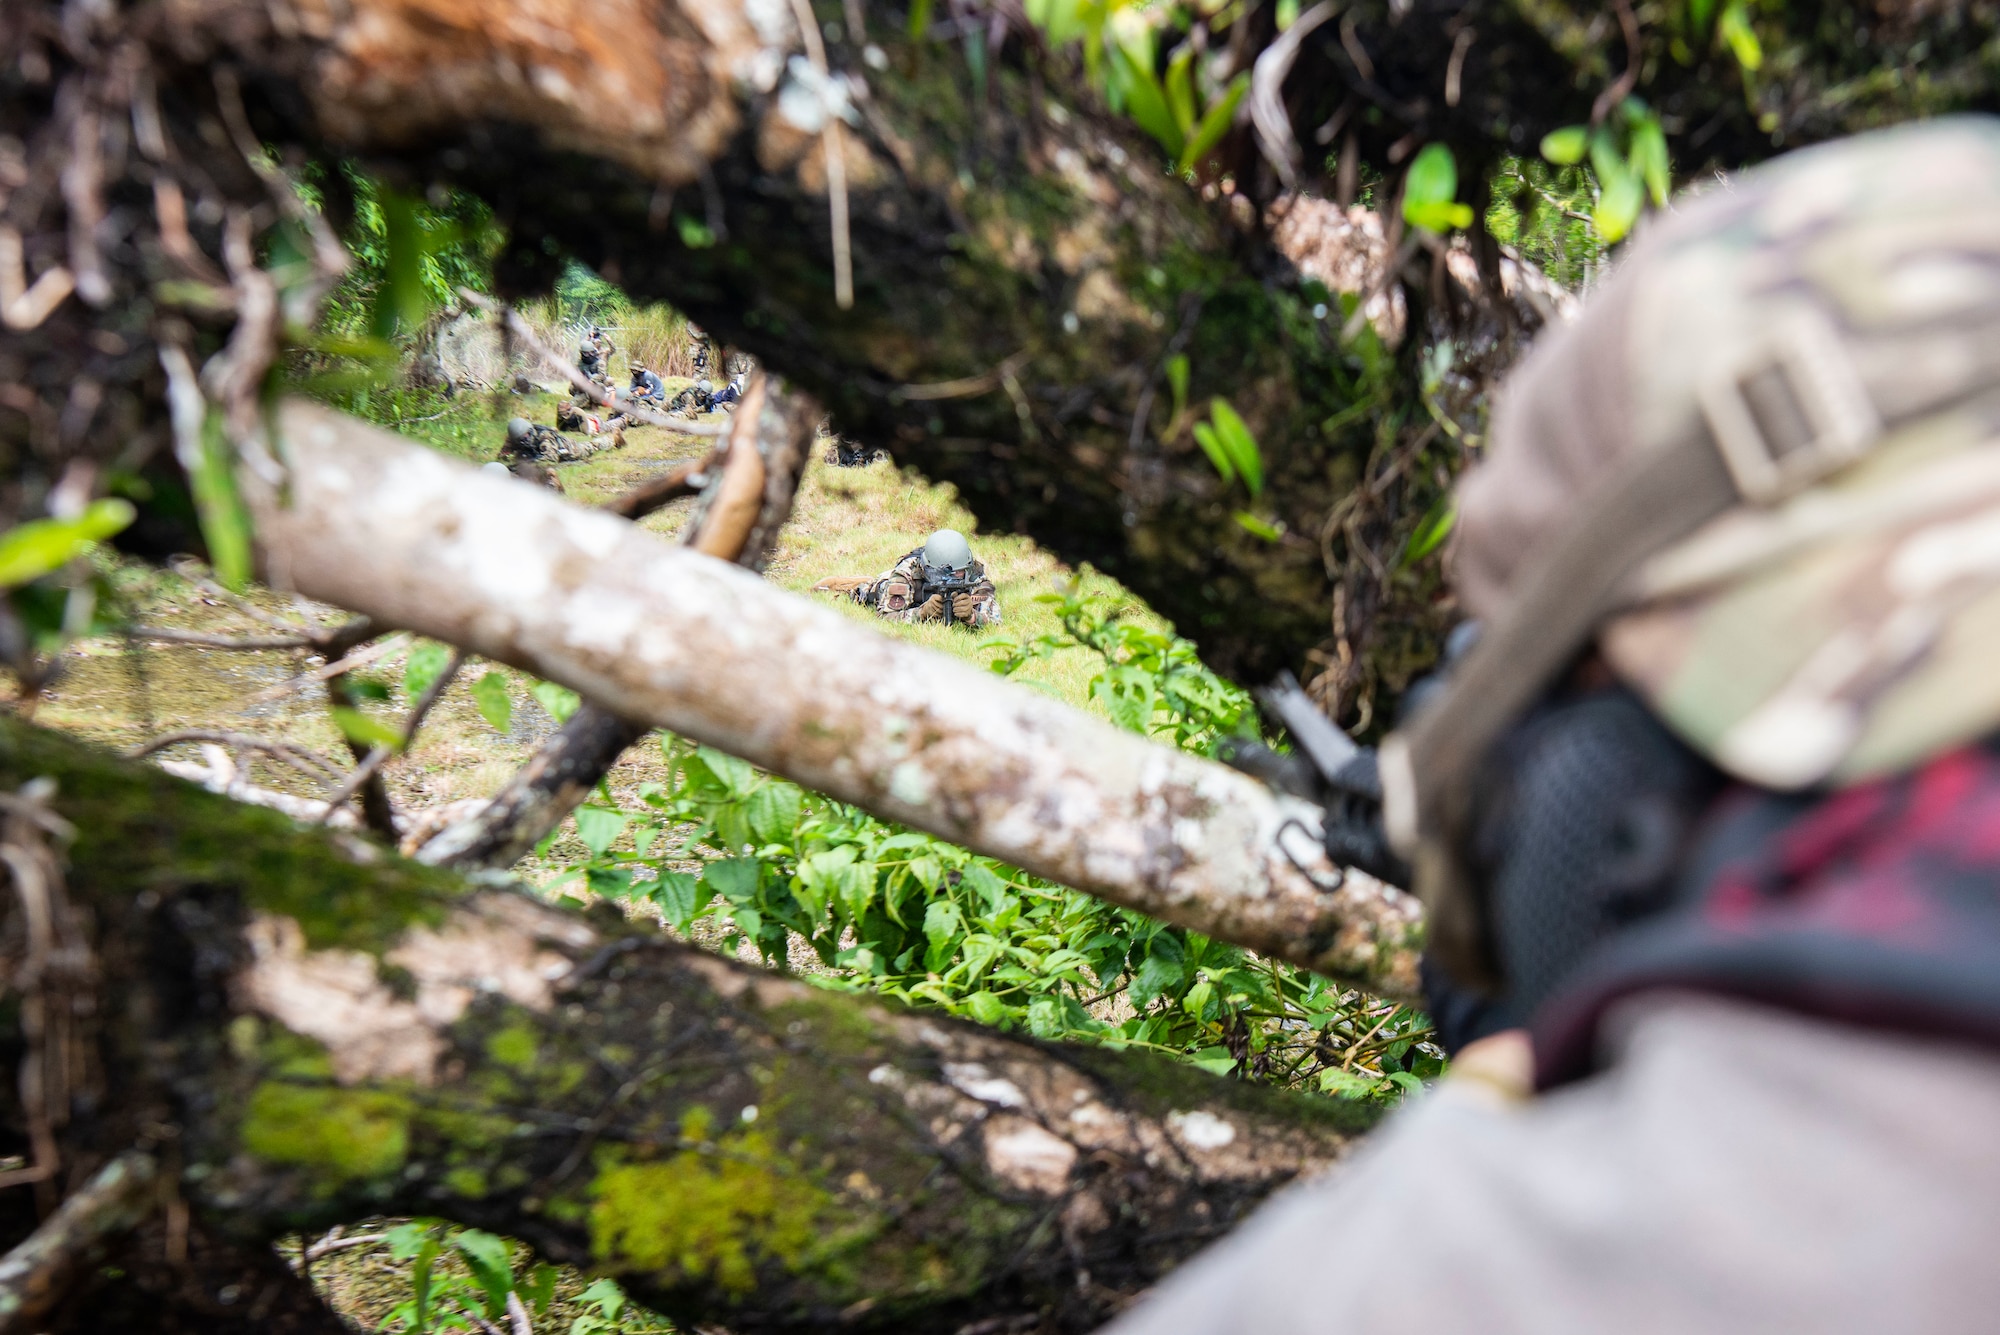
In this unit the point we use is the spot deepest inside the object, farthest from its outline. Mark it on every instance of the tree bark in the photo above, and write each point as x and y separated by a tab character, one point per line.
658	634
304	1031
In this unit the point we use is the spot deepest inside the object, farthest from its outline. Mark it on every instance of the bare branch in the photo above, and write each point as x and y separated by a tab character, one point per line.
35	1275
303	759
360	658
209	640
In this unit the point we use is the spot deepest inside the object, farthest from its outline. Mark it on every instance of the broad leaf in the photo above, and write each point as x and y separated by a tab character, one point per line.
1566	147
496	704
1429	189
426	663
29	551
677	897
599	828
362	730
1146	102
559	701
1211	445
488	1258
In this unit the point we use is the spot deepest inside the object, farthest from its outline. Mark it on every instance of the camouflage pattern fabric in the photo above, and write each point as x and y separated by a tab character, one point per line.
901	593
1830	324
548	446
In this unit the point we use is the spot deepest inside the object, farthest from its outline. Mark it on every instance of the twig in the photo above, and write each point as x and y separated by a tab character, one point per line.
638	412
35	1274
300	758
246	643
1267	86
836	163
1622	86
965	387
650	495
517	1314
359	658
378	755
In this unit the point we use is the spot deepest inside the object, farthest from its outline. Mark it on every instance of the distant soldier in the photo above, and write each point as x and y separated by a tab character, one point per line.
701	351
732	393
541	444
594	358
647	386
940	581
695	400
570	416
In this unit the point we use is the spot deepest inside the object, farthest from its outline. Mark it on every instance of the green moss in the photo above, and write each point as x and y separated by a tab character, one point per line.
708	1213
513	1047
310	876
344	1135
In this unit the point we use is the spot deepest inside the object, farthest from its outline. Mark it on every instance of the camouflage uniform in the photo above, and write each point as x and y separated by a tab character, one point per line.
901	594
594	358
548	446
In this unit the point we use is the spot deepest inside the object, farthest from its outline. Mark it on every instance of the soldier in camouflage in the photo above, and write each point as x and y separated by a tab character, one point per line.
940	581
1707	820
546	445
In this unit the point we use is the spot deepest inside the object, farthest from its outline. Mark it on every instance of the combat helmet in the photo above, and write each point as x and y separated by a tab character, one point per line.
947	549
1760	473
519	429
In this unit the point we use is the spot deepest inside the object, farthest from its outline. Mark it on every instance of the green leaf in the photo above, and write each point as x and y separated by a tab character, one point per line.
362	730
491	1264
426	663
1605	159
1180	90
774	810
1431	530
1438	217
559	701
29	551
1429	189
1566	147
1735	29
225	523
1216	1061
1214	124
496	704
606	1297
1345	1084
1649	158
1239	444
1146	102
1211	445
1288	14
1261	528
735	879
599	828
695	234
1618	207
986	1008
677	897
942	921
735	775
541	1289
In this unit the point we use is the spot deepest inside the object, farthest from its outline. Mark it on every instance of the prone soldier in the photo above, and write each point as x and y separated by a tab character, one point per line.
939	581
543	444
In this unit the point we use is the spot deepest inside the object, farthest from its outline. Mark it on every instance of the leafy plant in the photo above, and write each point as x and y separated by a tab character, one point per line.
1629	155
1430	192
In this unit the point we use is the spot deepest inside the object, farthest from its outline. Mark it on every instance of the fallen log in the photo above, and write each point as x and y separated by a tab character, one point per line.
305	1031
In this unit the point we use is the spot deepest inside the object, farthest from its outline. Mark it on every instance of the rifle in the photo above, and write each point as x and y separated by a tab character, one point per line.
950	585
1327	768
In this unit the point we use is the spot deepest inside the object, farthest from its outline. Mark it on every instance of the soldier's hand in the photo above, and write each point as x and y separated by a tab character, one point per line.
931	609
963	605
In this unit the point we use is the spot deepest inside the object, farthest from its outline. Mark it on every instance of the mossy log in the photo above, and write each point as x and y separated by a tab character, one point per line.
309	1031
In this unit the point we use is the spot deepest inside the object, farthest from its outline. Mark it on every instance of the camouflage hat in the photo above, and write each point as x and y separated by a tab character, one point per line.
1814	349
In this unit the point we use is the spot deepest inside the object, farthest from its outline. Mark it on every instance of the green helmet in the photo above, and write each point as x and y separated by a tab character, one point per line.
947	549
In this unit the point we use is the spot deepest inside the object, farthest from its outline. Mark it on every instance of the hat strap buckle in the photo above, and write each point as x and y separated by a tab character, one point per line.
1792	412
